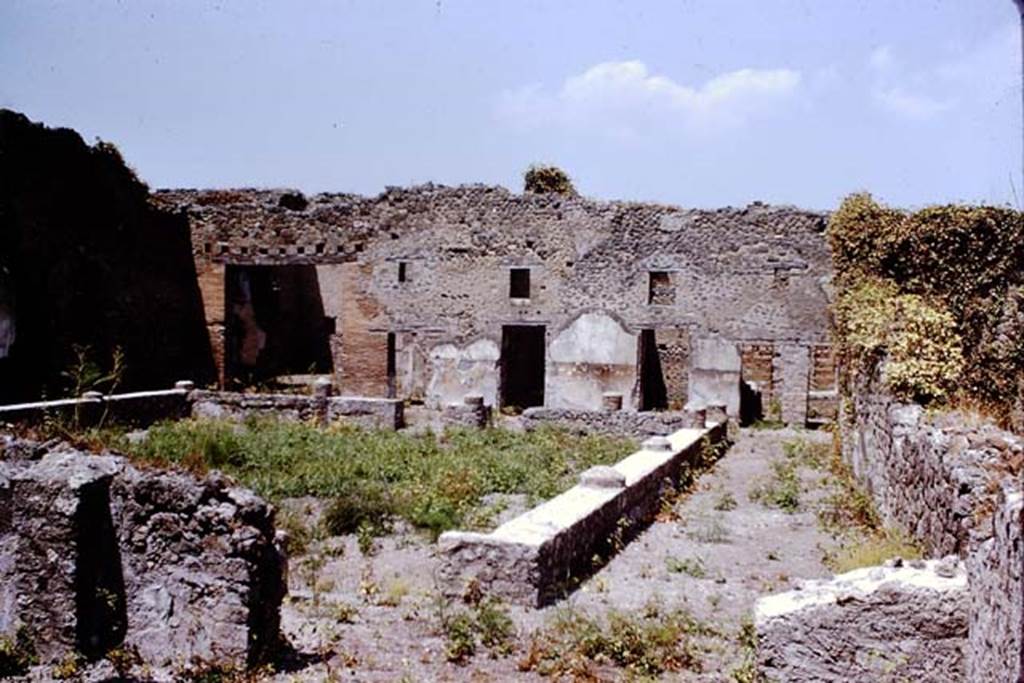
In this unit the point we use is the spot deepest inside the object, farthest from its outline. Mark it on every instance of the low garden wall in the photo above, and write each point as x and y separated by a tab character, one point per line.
953	483
534	558
627	423
138	408
143	408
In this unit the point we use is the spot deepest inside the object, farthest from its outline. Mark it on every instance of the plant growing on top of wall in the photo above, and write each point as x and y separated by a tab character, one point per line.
940	293
917	337
544	179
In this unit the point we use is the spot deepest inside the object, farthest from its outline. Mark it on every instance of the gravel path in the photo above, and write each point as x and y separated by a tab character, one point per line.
714	556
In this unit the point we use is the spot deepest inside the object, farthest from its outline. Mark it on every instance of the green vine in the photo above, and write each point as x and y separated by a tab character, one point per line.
939	293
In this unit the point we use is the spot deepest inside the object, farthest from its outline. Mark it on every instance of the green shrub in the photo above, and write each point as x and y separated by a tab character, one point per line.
940	292
486	620
360	505
917	337
782	490
647	643
542	179
17	653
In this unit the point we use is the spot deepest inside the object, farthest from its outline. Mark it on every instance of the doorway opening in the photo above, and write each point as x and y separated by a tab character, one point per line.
653	394
522	365
392	365
275	324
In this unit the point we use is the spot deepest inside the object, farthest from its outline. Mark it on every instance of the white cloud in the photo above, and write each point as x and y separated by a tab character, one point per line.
985	72
622	98
881	58
910	105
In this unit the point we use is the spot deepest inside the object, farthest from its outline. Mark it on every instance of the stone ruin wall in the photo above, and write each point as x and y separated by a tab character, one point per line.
953	483
99	555
754	277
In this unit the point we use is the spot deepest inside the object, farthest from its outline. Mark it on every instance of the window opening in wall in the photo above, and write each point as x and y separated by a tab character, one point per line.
659	288
519	283
401	271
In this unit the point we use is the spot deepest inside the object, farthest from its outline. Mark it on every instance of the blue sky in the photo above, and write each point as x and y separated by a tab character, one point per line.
693	102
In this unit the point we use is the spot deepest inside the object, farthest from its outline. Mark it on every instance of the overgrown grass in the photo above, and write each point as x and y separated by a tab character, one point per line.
871	550
849	513
432	481
646	643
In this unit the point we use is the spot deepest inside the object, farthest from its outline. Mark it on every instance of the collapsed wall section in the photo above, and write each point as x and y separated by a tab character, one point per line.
97	555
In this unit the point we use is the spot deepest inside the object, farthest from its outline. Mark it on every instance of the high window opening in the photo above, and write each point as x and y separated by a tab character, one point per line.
402	271
653	393
522	365
659	288
519	283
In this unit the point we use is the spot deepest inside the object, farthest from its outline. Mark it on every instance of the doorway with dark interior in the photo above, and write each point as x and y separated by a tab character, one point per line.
653	393
522	365
275	324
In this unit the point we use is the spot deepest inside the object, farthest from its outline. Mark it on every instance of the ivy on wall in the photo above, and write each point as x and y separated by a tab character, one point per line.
938	292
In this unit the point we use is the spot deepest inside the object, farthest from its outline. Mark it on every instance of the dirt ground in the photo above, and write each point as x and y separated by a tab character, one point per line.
376	617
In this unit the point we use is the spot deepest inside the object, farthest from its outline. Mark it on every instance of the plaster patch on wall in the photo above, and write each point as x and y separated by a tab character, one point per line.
593	355
715	374
456	371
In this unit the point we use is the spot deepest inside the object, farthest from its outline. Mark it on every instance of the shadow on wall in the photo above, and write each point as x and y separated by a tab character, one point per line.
276	323
87	261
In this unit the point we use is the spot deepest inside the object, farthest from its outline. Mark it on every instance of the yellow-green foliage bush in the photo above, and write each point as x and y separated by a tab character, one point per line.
917	337
940	291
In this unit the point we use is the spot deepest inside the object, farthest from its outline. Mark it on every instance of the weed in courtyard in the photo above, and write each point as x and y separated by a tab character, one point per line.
648	643
17	653
709	530
691	566
725	502
807	453
746	671
485	622
435	482
782	491
871	550
344	613
394	593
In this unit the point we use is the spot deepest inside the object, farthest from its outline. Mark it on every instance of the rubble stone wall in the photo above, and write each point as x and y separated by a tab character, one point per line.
626	423
432	264
905	623
372	413
952	482
96	554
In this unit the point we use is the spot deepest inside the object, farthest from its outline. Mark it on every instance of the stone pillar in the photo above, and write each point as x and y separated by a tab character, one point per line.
792	366
323	388
715	412
66	574
611	401
211	280
696	418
